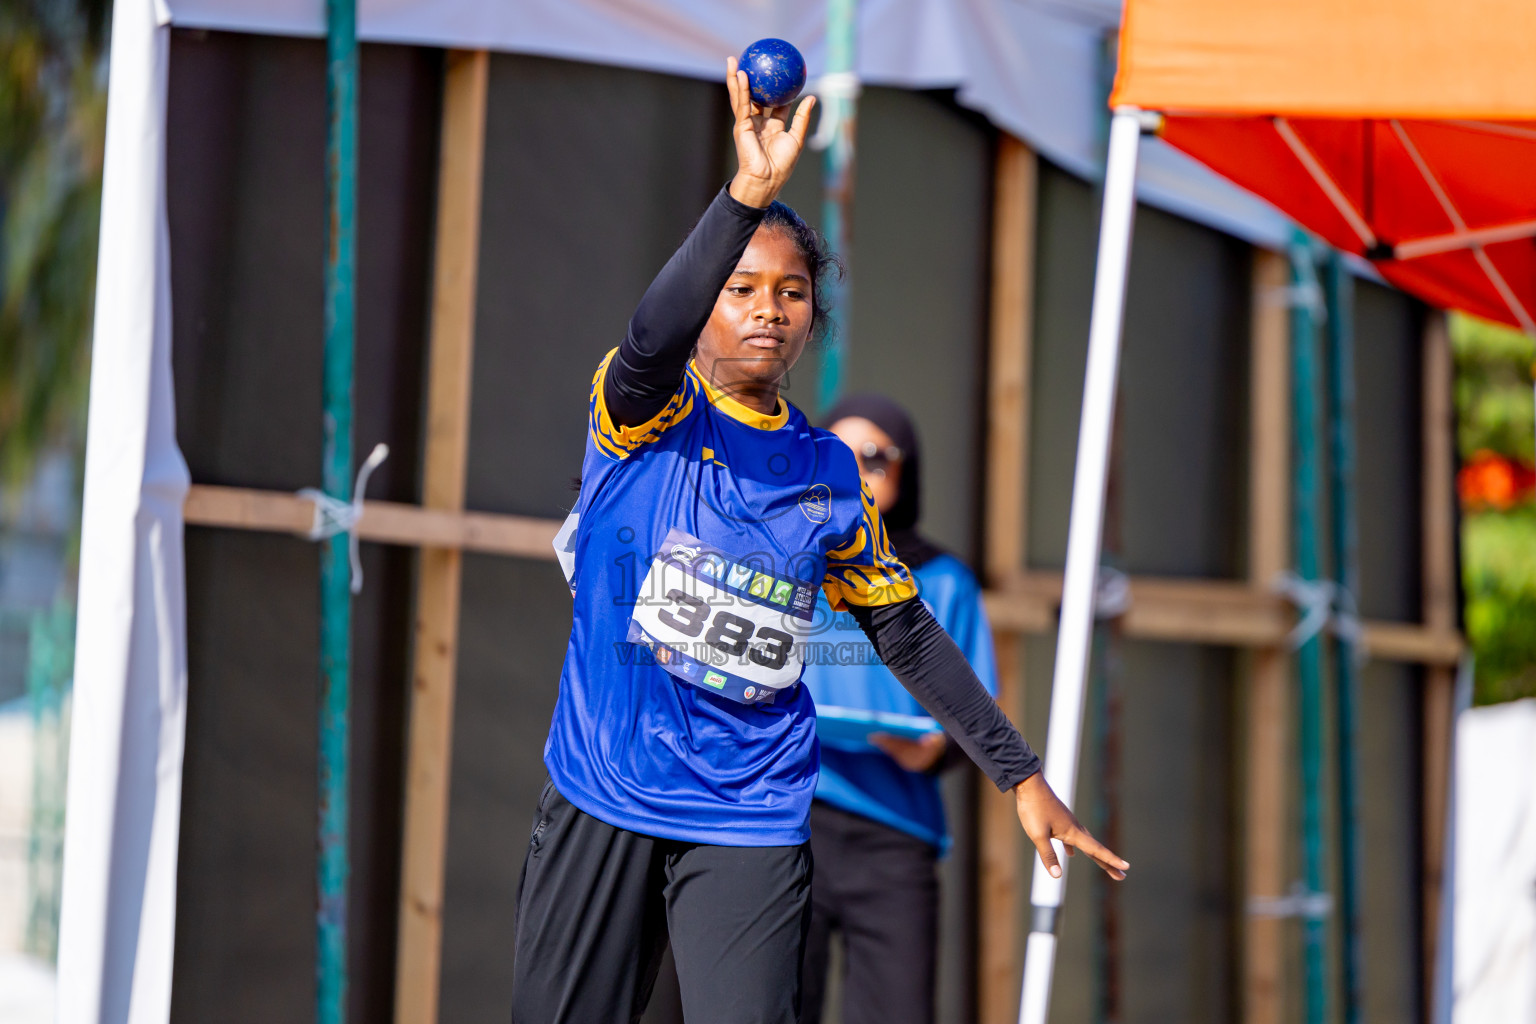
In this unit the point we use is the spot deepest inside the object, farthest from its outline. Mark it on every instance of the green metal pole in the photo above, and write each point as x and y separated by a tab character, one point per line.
837	197
1306	514
1339	288
336	475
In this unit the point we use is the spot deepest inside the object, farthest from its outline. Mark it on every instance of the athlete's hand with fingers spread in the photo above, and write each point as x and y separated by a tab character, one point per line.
1045	817
767	145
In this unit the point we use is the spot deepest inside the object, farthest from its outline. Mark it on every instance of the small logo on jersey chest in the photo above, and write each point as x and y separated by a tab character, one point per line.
816	503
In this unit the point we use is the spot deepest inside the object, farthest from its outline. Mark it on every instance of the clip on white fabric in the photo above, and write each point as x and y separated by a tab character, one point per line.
333	516
836	85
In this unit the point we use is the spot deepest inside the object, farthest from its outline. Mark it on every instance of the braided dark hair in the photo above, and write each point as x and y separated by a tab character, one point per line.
824	264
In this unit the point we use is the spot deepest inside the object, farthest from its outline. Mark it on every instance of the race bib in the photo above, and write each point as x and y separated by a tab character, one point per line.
721	623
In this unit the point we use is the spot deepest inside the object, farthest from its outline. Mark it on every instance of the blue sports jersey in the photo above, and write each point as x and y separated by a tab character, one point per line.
866	780
702	540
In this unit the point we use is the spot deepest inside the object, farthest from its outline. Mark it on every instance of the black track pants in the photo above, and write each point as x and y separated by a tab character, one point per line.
878	886
597	904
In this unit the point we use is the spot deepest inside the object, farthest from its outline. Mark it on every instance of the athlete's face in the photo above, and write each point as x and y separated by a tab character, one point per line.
879	458
760	323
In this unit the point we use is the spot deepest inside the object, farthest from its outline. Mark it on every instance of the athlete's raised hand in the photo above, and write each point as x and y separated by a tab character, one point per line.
767	144
1045	817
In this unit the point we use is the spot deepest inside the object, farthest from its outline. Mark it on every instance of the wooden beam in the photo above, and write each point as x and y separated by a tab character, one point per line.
1438	648
1267	707
1192	611
430	752
1012	312
383	522
1001	860
1439	569
1211	612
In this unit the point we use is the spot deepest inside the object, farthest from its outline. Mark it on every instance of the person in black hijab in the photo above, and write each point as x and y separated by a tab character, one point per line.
877	823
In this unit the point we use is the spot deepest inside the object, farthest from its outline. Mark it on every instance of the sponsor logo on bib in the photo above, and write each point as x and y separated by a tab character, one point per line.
816	503
749	692
683	553
715	679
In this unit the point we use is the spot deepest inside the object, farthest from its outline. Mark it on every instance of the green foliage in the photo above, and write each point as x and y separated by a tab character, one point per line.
1499	549
1493	389
1496	412
52	127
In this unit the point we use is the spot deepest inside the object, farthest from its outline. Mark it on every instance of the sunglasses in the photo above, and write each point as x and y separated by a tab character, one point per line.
874	460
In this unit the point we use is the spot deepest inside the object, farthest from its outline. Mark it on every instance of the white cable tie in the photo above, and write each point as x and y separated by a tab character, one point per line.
1112	595
1346	624
836	85
1299	902
1313	598
1306	295
334	516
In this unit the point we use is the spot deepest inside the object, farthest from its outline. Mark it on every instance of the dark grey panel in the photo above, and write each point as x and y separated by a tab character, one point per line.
1180	435
245	907
1389	421
246	890
246	179
516	618
1391	725
919	284
1388	380
1172	946
581	209
1064	259
246	186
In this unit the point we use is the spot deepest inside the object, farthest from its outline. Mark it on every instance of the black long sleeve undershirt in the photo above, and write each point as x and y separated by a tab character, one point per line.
919	653
654	355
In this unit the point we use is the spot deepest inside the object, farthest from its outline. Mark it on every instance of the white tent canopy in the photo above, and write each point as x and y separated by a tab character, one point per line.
1034	67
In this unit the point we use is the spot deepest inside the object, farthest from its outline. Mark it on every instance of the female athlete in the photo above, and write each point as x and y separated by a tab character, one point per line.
682	755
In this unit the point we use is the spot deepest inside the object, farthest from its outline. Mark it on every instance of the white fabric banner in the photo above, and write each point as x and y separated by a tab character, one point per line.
124	797
1036	68
1494	969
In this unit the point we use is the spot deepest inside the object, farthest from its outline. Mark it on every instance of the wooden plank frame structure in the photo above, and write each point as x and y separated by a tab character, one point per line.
450	360
1268	704
1244	614
1000	859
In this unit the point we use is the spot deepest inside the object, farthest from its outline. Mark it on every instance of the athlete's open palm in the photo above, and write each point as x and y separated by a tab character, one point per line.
768	145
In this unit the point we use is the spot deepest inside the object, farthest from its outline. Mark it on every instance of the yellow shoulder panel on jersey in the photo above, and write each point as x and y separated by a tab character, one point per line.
866	571
619	441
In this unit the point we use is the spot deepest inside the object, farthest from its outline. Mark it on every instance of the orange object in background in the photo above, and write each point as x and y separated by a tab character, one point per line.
1401	130
1492	481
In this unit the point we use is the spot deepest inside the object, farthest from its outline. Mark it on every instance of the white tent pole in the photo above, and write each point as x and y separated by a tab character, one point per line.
1083	538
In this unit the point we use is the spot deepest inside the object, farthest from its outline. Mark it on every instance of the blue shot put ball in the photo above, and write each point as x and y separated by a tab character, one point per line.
775	70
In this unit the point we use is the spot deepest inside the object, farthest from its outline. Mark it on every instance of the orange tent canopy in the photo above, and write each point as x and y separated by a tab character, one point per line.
1401	130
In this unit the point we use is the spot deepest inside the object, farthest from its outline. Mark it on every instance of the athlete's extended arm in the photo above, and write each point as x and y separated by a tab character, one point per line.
650	363
919	653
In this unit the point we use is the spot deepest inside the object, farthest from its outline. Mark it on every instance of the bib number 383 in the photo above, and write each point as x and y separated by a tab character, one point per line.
720	623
